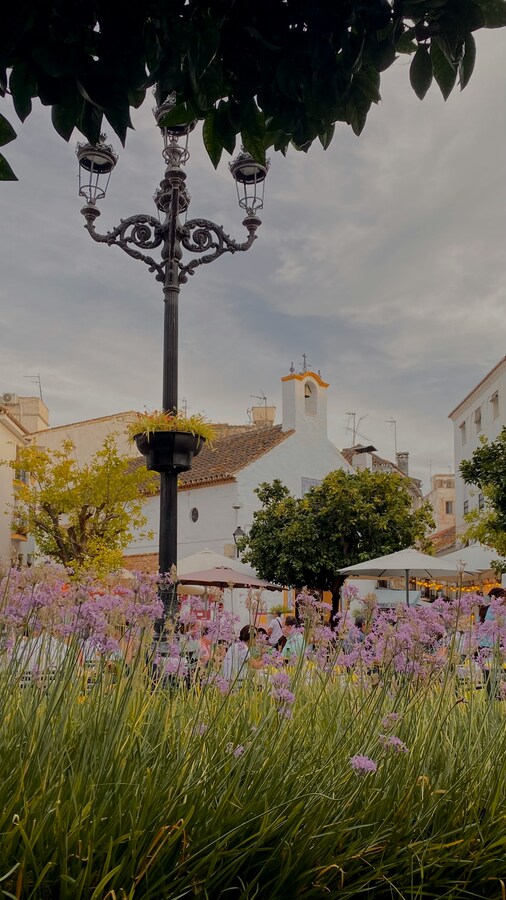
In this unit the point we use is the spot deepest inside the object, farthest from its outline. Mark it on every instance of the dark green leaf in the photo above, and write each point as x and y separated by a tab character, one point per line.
224	128
254	145
23	86
7	132
64	120
136	98
420	72
444	73
467	65
326	137
212	141
494	12
119	118
252	120
288	78
90	122
6	173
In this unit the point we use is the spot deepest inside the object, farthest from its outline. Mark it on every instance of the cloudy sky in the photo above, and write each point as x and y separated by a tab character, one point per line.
383	259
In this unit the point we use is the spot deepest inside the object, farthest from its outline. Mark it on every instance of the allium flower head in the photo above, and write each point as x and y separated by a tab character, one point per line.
391	742
363	764
390	719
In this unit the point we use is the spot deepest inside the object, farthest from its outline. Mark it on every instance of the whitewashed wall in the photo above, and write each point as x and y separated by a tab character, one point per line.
88	437
10	438
490	427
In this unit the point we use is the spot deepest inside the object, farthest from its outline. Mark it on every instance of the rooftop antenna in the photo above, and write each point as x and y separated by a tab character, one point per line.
394	423
261	397
36	380
184	406
356	425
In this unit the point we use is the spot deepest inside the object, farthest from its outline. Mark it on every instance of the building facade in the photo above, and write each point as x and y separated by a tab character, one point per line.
481	414
19	417
442	499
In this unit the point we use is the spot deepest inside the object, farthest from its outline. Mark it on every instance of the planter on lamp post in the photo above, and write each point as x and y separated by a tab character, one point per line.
169	451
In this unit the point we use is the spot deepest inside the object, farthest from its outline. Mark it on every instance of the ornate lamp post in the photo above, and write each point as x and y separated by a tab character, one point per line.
140	233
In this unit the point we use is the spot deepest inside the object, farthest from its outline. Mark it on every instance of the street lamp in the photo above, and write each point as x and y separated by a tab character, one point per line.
140	233
237	535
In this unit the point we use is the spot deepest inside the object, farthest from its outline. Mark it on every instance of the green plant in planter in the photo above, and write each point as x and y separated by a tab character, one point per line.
149	423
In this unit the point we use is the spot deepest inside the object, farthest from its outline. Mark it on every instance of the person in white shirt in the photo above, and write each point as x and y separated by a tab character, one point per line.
236	663
275	632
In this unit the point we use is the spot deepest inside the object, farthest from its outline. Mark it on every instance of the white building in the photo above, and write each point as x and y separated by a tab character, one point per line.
482	412
19	417
218	494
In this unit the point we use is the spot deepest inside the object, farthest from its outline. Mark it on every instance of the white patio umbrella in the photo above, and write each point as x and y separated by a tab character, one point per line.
474	559
208	559
409	563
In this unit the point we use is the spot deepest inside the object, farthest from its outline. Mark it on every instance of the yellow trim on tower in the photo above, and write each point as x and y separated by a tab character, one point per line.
300	376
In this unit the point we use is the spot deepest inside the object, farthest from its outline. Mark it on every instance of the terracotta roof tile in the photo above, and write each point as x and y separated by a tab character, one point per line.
231	454
444	539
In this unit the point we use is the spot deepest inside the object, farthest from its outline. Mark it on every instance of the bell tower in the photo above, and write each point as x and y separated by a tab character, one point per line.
304	401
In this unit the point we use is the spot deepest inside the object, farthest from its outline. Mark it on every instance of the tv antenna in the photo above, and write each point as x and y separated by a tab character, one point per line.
356	425
36	380
394	423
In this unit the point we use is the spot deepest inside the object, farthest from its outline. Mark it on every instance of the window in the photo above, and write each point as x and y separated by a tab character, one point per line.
194	514
466	507
463	434
477	420
449	507
481	501
307	483
494	400
310	399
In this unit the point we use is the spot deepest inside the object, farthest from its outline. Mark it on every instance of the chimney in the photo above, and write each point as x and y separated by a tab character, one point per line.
403	463
263	415
362	457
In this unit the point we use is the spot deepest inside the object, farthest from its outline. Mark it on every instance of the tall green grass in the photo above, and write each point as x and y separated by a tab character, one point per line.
129	789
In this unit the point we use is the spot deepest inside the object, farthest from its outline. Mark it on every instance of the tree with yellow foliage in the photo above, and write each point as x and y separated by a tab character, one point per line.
82	515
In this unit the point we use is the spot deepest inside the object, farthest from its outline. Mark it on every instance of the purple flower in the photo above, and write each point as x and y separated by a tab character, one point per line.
363	764
391	742
390	719
202	728
284	696
281	680
235	751
176	665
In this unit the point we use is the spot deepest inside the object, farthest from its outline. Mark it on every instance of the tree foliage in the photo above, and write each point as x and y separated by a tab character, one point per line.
274	72
486	470
81	516
346	519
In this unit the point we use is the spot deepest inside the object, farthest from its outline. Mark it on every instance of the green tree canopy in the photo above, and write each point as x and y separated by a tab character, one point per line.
486	470
346	519
81	516
272	71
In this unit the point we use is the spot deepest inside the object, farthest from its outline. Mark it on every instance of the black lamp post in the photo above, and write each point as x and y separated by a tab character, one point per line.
141	233
238	533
